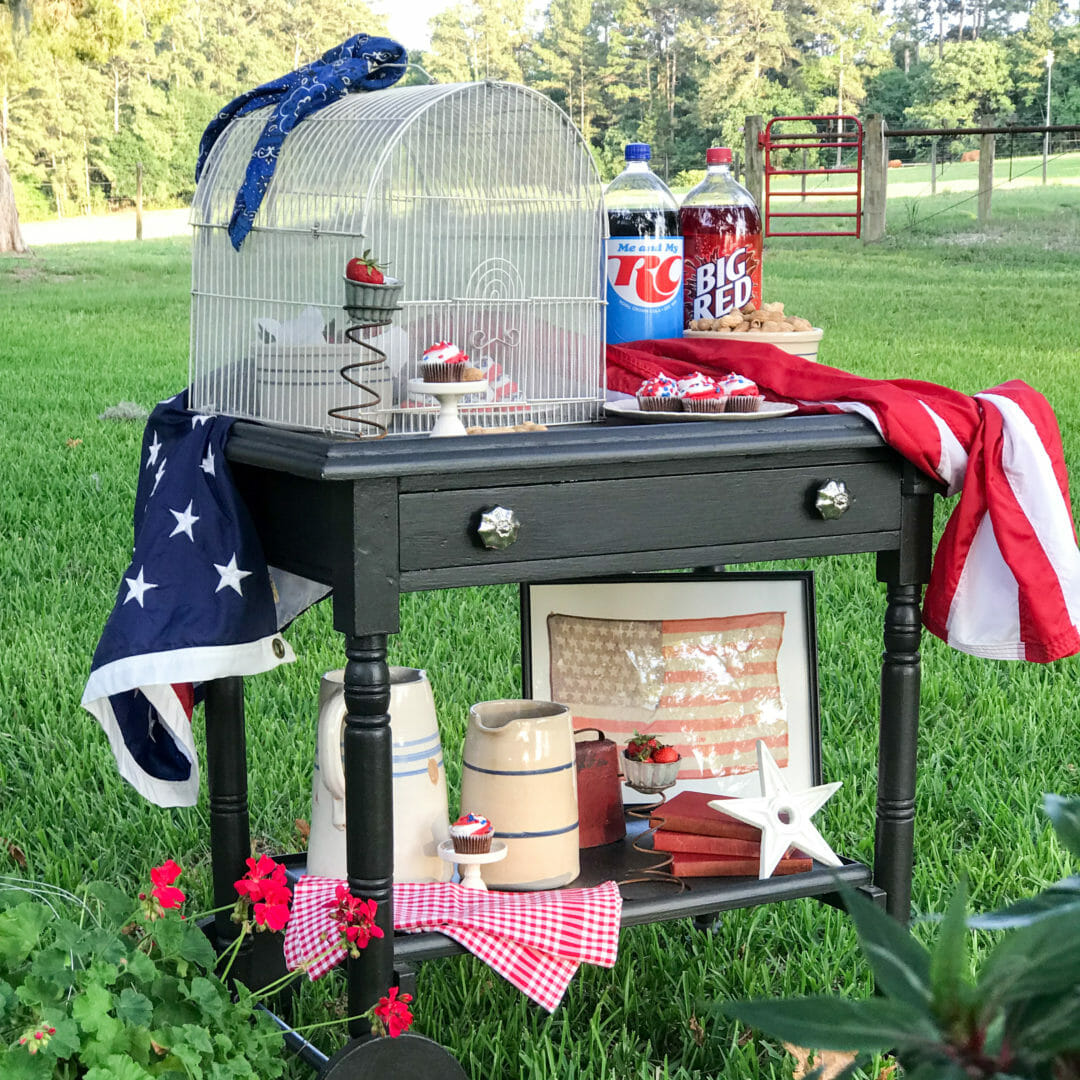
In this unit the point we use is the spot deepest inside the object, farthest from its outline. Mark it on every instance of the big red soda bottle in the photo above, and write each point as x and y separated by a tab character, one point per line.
721	230
644	253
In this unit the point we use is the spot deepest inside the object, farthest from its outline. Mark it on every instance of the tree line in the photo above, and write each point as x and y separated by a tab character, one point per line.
88	88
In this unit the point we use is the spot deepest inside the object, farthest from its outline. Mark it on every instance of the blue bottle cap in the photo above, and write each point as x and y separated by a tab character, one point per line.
638	151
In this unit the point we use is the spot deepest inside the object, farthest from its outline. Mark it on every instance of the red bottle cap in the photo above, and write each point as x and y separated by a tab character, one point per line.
718	155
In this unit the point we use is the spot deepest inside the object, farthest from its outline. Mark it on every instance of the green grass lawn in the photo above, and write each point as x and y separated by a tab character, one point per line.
83	328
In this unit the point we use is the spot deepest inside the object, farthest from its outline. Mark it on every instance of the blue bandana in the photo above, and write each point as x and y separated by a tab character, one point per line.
361	63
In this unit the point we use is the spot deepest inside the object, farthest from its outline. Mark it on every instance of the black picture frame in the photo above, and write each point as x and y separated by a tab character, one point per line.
680	594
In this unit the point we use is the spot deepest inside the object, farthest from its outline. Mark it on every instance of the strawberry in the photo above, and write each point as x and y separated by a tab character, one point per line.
664	754
638	748
364	270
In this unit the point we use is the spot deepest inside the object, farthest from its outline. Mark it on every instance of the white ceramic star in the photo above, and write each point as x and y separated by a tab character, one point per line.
184	521
782	815
137	588
231	576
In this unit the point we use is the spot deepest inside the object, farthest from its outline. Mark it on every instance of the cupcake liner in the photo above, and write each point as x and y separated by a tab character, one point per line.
744	403
438	371
703	405
659	404
472	845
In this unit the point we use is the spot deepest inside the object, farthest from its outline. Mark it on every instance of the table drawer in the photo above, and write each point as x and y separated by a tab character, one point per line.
440	529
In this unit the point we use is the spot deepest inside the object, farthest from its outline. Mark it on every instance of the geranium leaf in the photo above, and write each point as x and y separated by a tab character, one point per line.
7	998
139	966
92	1006
1064	815
134	1008
118	1067
17	1064
1063	896
20	929
190	1057
66	1041
198	1037
901	966
211	997
114	902
949	960
836	1023
195	946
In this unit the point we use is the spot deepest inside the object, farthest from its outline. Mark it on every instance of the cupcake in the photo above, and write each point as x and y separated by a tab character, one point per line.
472	834
659	394
446	363
698	393
741	395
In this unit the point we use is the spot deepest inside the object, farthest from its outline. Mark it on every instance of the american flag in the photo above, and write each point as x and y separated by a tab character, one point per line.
709	687
1005	583
197	602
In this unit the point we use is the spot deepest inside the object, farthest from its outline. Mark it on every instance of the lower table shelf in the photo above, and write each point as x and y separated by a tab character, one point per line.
653	901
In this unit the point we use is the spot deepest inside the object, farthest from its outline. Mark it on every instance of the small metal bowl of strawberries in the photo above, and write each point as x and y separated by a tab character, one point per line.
649	765
370	296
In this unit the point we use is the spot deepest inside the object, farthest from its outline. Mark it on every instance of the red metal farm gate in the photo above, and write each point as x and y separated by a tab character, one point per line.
846	134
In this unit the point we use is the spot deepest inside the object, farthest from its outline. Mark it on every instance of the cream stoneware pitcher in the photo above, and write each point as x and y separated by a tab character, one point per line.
518	771
421	821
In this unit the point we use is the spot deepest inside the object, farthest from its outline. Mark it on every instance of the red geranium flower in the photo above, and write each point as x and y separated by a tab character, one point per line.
356	919
163	877
392	1013
264	886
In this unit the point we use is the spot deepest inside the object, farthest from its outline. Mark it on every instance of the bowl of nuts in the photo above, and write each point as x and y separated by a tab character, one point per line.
767	324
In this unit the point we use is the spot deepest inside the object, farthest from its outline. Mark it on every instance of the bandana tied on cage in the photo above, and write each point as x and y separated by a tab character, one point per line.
360	63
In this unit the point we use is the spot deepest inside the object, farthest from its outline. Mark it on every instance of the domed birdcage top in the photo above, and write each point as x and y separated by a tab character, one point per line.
482	198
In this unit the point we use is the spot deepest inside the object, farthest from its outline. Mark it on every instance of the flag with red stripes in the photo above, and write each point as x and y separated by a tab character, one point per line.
707	686
1005	582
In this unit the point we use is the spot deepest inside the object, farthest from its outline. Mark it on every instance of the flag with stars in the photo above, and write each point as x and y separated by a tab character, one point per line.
196	603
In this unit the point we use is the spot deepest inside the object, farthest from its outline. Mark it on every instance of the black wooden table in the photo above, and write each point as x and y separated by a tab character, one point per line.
375	519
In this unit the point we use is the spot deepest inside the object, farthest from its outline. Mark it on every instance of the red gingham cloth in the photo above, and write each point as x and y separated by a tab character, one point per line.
535	940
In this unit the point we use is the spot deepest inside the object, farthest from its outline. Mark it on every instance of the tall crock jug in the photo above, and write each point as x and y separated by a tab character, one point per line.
421	821
518	771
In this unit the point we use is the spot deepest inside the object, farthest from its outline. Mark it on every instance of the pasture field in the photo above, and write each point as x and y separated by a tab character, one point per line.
84	327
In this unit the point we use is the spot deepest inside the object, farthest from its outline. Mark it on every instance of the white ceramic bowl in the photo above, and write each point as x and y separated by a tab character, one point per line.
802	343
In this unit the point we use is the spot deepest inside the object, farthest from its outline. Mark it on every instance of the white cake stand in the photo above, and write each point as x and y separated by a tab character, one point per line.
448	422
469	864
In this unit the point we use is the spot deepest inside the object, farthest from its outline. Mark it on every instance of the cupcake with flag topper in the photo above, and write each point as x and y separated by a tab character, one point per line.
659	394
472	834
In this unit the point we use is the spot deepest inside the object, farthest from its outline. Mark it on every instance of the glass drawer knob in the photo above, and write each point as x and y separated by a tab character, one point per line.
498	528
833	500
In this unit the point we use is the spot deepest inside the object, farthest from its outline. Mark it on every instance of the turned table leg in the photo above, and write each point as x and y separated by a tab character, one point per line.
369	814
226	781
900	677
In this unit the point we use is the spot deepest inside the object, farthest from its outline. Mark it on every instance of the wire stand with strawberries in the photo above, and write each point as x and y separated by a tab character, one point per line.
371	298
651	767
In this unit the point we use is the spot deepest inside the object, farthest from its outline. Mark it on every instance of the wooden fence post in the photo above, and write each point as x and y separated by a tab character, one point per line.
986	176
875	179
138	200
933	166
755	160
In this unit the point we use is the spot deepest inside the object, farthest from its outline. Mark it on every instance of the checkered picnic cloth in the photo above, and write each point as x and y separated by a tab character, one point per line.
535	940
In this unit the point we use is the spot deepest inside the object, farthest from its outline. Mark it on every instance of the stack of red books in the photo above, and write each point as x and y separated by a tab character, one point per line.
706	843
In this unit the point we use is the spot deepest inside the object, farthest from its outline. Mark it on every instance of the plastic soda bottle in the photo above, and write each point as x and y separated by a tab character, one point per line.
721	230
644	254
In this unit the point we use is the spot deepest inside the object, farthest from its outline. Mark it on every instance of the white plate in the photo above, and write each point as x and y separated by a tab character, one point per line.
629	410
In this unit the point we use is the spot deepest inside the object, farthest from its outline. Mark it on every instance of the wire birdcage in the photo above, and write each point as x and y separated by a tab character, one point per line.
483	200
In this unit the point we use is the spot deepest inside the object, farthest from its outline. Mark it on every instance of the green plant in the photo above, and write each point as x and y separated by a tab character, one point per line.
1019	1018
89	988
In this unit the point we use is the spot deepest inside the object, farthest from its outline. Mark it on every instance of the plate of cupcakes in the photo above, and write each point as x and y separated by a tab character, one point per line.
662	399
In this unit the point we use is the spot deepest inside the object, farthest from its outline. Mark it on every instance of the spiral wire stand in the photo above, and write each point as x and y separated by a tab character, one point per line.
372	306
657	873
